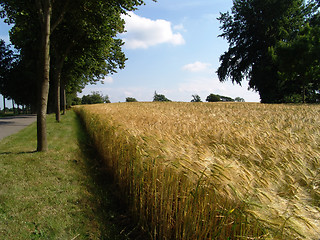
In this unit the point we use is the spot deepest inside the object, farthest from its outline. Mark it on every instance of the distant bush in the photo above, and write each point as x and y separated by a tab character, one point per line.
94	98
213	98
239	99
131	99
76	101
160	98
218	98
196	98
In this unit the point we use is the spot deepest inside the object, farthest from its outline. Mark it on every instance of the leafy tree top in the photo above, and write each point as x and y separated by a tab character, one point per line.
239	99
251	29
131	99
213	98
196	98
160	98
217	98
94	98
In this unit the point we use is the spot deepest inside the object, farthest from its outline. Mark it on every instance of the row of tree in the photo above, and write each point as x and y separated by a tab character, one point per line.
196	98
71	43
275	45
96	97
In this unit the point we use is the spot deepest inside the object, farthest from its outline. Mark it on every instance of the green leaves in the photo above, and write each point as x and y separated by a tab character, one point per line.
95	97
298	62
160	98
253	29
84	36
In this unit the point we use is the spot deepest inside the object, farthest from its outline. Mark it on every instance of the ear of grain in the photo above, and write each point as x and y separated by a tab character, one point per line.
214	171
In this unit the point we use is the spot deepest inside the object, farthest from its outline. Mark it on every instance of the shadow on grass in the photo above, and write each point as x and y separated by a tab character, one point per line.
18	153
112	213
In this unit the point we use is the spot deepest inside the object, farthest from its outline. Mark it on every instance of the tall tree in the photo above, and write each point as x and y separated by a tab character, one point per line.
251	29
44	10
98	47
48	15
15	10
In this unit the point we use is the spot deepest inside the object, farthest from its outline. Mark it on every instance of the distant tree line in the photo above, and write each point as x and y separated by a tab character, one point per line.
96	97
216	98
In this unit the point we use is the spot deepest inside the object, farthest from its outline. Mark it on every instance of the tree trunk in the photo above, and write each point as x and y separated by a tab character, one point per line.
57	81
304	94
64	100
44	64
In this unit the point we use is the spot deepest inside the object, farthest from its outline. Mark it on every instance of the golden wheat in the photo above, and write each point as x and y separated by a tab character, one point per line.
214	171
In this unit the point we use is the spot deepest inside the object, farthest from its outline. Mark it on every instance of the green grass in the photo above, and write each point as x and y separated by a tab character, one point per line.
60	194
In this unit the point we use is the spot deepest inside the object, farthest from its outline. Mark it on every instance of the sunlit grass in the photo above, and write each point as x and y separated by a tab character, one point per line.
214	171
61	194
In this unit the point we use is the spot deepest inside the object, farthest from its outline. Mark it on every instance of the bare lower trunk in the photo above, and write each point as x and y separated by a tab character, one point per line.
57	81
64	100
42	117
57	105
44	64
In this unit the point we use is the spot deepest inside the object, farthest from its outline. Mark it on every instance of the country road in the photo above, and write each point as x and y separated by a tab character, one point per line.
11	125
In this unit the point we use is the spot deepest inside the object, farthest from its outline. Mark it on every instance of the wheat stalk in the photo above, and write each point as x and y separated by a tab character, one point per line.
214	171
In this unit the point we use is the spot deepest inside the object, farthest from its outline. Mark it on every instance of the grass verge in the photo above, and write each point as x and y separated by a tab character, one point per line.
61	194
9	114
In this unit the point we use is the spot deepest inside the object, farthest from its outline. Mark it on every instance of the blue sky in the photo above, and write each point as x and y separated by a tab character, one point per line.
172	48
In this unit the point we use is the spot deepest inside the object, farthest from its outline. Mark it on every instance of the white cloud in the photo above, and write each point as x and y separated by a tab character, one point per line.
179	27
108	79
143	32
202	84
197	67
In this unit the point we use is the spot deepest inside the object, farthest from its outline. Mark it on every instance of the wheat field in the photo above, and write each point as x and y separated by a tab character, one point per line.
214	170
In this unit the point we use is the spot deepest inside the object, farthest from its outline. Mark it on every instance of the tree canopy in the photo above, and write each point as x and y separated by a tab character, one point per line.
213	98
94	98
218	98
160	98
299	65
259	34
239	99
6	64
196	98
131	99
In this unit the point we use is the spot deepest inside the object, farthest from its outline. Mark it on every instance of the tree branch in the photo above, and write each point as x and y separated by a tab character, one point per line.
40	10
60	18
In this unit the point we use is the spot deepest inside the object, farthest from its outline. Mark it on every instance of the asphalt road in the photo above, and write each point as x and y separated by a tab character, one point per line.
11	125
